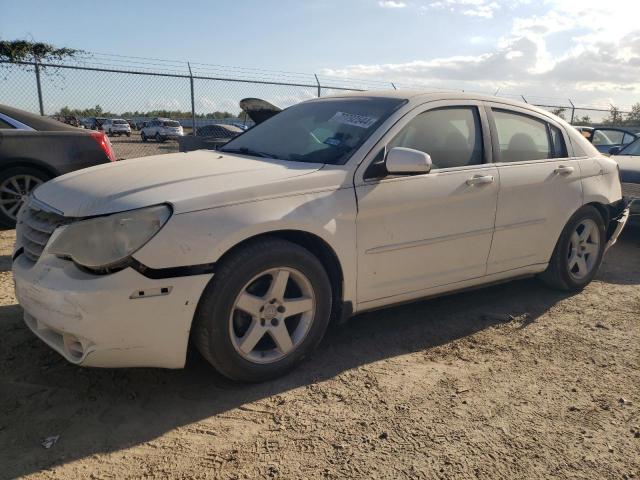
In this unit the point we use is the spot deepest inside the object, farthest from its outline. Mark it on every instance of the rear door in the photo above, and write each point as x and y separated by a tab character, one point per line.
540	187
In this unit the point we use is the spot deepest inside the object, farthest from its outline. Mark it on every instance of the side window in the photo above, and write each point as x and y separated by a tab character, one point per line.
628	139
521	137
452	136
5	125
559	147
607	137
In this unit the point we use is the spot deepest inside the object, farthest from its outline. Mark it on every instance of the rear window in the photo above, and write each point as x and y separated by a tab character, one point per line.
171	123
119	122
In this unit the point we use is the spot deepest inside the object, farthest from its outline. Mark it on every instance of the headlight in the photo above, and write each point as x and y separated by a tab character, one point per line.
105	242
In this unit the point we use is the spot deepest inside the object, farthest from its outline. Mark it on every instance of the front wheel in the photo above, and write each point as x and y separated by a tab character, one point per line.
143	137
266	308
578	253
159	138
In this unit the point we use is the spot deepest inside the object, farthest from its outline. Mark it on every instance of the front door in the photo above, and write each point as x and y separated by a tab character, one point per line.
423	231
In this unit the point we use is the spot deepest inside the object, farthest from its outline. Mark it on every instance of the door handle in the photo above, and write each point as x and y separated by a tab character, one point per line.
480	180
564	170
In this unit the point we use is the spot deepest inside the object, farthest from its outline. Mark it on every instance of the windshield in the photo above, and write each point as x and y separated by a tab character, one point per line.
321	131
171	123
631	149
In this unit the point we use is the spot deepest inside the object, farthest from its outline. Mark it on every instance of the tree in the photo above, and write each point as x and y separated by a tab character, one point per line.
633	117
559	112
584	120
24	50
615	116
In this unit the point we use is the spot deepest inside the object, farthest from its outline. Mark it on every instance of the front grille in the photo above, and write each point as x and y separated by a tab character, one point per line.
631	190
36	223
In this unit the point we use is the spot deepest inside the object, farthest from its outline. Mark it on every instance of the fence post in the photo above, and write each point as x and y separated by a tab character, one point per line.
525	100
193	103
393	85
319	87
39	85
573	111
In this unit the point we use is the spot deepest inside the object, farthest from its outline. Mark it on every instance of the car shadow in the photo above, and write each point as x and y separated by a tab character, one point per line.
107	410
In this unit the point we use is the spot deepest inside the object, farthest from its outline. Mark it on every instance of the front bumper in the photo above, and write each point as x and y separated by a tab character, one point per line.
122	319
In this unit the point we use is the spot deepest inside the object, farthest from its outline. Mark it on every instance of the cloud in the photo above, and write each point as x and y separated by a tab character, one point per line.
391	4
470	8
597	55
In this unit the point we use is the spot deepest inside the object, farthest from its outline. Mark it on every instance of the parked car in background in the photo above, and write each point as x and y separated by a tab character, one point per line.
132	124
116	126
34	149
605	138
210	137
141	124
333	206
94	123
628	159
161	129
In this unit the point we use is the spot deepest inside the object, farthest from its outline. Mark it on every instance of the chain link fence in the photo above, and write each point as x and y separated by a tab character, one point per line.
138	90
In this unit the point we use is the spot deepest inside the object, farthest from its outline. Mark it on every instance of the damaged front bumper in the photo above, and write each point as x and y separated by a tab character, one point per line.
123	319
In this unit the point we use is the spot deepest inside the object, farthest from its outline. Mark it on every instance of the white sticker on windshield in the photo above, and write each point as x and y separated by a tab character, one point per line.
353	119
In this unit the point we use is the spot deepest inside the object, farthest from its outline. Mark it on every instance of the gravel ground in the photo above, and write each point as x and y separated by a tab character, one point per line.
132	147
512	381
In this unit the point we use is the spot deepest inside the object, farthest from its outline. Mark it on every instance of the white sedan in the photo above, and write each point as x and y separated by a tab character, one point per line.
332	207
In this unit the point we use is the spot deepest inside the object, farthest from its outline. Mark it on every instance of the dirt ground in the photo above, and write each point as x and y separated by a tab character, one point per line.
132	147
513	381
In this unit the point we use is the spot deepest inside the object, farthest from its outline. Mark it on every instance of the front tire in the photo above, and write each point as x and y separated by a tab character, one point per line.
578	253
143	137
266	308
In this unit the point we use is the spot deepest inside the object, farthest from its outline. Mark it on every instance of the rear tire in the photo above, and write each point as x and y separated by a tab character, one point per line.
222	329
578	253
143	137
22	180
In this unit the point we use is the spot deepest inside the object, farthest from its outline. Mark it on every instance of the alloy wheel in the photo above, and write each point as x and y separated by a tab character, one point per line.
272	315
14	191
584	248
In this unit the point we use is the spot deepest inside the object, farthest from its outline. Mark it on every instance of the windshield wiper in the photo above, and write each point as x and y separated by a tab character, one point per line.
247	151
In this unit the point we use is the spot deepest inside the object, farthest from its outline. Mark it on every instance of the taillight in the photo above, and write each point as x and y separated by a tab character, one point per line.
102	140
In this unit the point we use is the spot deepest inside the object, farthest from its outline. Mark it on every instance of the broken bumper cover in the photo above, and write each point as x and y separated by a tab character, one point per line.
123	319
620	217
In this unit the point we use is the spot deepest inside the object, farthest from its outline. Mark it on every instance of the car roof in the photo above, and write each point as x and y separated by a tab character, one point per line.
35	121
423	96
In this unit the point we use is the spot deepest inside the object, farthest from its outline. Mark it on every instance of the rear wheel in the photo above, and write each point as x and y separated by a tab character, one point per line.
578	253
266	308
143	137
159	138
15	186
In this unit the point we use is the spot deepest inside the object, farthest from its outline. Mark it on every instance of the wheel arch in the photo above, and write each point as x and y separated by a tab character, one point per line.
321	250
29	163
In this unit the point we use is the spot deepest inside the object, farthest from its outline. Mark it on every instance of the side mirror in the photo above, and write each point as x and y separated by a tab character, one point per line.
614	150
407	161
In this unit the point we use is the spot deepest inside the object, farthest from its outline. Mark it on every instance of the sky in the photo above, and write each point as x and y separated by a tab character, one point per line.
586	50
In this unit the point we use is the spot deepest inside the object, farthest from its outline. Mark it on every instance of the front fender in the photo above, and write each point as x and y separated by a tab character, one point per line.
202	237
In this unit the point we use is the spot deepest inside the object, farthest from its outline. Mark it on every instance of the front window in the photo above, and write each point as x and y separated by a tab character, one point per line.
452	136
323	131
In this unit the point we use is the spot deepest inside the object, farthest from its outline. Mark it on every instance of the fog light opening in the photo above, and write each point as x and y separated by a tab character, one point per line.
73	346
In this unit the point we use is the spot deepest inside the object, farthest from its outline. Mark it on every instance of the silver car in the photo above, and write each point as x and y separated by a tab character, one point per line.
161	129
116	126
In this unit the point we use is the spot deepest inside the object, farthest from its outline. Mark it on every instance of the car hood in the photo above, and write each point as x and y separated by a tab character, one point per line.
189	181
